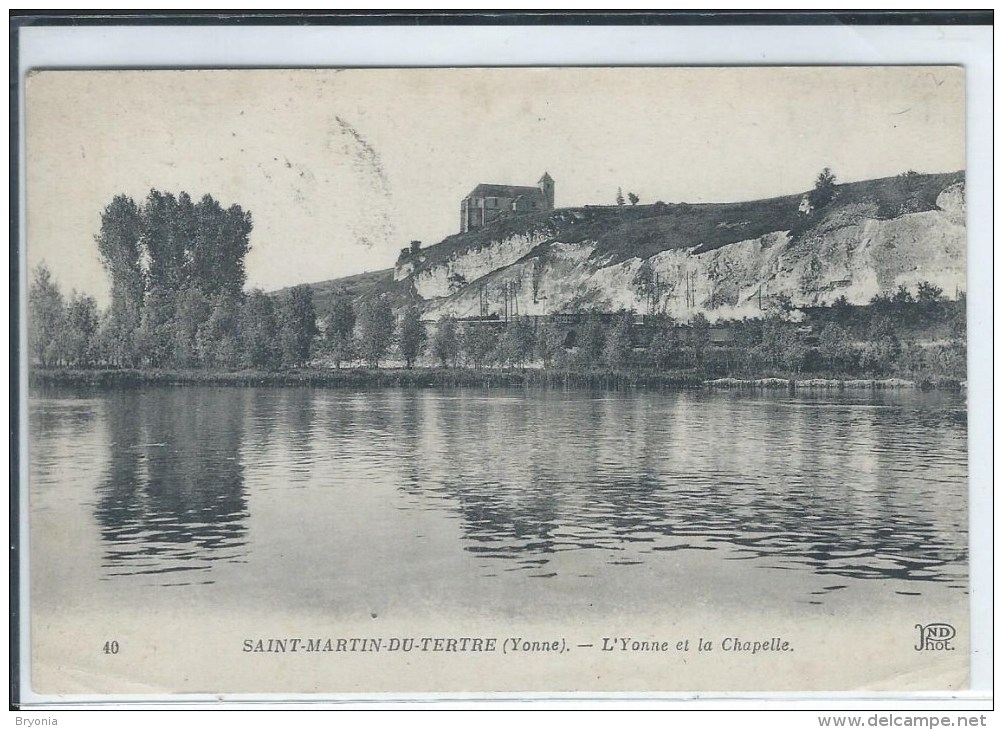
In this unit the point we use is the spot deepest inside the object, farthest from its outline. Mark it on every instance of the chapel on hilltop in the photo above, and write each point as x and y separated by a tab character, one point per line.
488	202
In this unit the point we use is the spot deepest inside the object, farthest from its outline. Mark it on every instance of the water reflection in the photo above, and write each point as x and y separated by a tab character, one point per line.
172	499
853	488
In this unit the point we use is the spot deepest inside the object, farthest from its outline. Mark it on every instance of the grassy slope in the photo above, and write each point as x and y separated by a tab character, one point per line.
644	230
359	287
713	225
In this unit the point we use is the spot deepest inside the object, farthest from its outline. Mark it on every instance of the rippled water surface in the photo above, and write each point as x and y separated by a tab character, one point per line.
494	499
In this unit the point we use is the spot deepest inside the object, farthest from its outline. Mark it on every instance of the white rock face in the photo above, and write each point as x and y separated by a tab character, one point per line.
435	281
855	255
403	271
952	202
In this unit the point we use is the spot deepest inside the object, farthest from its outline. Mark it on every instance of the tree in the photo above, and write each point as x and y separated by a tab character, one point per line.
190	313
155	337
165	248
194	244
619	197
338	340
218	340
168	249
517	342
913	357
633	198
700	329
617	346
882	350
881	304
415	247
902	295
928	293
259	329
46	317
782	344
119	247
184	230
793	348
549	343
79	342
376	330
835	347
589	341
220	245
663	343
908	191
445	345
299	325
105	341
412	336
771	344
478	342
825	189
118	336
952	358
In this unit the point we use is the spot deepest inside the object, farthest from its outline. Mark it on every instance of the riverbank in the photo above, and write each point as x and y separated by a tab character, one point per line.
366	378
459	377
831	384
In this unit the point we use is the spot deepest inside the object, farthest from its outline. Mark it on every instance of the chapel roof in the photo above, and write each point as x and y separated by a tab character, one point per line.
489	190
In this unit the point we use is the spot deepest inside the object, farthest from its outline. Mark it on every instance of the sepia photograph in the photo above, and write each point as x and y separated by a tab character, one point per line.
497	380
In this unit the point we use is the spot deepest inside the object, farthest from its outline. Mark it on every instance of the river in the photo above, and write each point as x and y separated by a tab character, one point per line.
496	504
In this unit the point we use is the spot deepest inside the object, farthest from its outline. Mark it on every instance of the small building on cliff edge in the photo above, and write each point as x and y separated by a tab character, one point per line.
487	202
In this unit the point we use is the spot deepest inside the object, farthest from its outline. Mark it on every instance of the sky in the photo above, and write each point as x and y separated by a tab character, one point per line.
340	169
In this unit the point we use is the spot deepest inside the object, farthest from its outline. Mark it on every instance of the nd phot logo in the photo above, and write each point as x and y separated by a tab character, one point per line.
935	637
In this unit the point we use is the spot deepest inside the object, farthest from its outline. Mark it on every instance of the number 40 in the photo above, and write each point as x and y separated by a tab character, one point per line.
110	647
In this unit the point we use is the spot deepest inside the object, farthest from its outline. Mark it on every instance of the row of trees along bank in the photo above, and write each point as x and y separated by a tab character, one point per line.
922	339
901	336
225	331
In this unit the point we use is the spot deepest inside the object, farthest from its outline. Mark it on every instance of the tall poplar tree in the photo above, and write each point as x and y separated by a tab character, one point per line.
119	247
299	325
412	336
338	331
376	330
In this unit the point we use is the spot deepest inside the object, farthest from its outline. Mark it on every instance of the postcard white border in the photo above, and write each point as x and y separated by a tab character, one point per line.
393	46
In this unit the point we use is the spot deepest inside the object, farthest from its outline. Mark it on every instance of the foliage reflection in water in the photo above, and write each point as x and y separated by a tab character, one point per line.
853	487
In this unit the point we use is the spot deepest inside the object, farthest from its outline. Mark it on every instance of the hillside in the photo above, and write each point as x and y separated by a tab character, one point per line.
723	259
359	287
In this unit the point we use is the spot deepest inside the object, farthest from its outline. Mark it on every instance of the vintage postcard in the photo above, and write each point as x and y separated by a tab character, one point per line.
481	380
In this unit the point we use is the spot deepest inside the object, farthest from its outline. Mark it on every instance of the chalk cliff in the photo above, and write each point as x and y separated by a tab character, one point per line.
725	260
